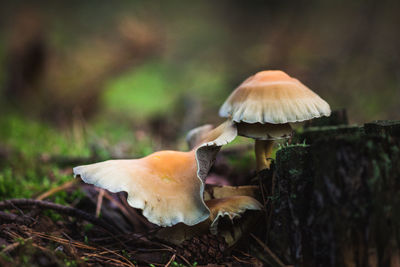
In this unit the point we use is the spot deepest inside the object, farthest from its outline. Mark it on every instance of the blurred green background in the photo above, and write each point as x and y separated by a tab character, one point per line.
101	79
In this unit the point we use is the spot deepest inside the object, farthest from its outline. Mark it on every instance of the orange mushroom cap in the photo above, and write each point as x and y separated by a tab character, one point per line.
273	97
167	185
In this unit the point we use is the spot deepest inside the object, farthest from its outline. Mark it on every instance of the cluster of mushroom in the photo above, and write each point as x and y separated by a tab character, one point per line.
169	185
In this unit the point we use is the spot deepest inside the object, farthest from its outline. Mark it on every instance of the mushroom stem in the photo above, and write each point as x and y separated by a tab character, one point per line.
263	149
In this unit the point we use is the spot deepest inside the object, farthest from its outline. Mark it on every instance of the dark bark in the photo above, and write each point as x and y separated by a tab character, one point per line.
336	201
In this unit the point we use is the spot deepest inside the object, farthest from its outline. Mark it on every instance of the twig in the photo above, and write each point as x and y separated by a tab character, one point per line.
57	189
9	217
118	255
152	249
122	208
19	210
15	244
170	261
70	246
184	259
132	210
269	252
99	202
7	204
110	259
63	241
81	245
240	260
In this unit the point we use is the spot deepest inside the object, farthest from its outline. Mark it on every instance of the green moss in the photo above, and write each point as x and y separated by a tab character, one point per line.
295	172
31	166
291	153
54	216
376	174
32	138
6	257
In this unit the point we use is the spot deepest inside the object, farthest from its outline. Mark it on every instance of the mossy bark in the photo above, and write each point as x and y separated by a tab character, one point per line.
289	203
312	134
336	202
383	128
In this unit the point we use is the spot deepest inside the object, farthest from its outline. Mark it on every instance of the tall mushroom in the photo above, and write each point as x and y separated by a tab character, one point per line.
264	105
167	185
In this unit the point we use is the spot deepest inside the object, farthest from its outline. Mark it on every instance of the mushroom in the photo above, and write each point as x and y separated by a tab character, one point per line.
195	136
265	104
167	185
231	207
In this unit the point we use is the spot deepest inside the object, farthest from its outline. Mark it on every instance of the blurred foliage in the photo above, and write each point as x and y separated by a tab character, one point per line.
134	93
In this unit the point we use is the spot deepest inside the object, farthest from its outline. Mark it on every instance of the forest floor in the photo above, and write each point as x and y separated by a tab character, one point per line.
328	185
61	221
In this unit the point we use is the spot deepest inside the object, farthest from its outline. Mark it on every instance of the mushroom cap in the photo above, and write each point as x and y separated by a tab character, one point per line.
164	185
210	145
167	185
273	97
197	135
233	207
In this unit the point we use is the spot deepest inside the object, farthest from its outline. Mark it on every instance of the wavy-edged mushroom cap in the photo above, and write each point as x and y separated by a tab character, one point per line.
210	146
273	97
197	135
232	207
167	185
164	185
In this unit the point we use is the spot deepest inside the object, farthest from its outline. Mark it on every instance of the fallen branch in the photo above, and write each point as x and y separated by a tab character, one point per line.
21	203
277	261
14	245
9	217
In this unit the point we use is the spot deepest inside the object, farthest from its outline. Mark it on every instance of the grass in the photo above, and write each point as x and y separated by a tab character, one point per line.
28	169
32	138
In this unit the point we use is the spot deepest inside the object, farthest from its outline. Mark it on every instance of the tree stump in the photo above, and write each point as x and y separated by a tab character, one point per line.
336	201
338	117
